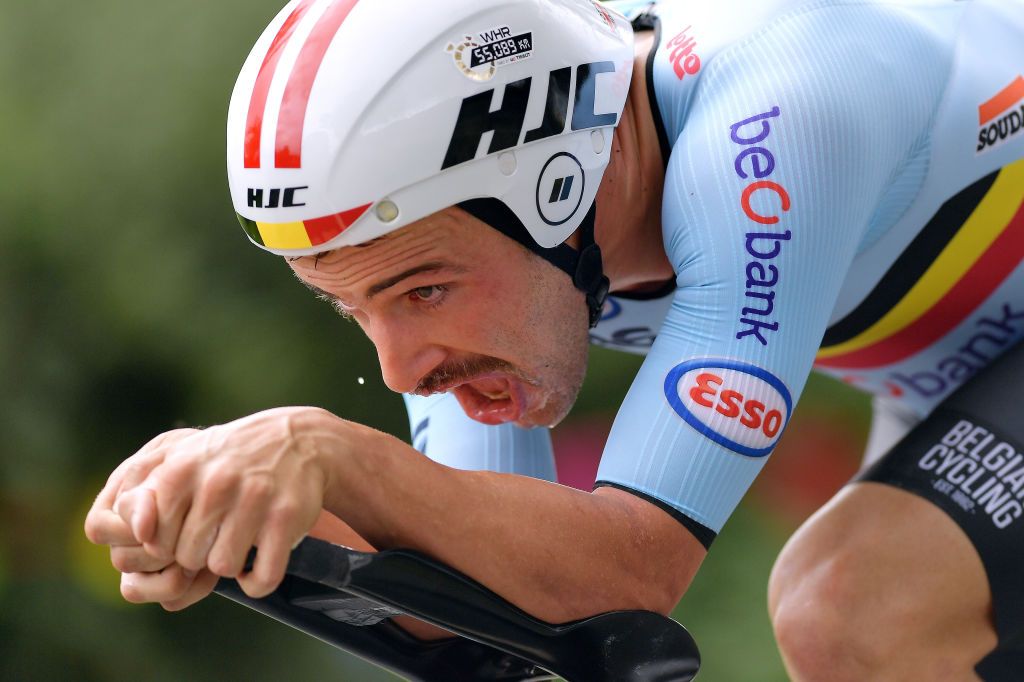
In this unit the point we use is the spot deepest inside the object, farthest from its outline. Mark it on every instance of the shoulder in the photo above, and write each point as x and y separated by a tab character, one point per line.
836	49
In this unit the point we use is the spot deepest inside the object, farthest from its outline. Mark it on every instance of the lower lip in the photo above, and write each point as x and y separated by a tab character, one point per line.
480	408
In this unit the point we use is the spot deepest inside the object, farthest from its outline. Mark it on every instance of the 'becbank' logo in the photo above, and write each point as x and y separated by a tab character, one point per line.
737	405
764	247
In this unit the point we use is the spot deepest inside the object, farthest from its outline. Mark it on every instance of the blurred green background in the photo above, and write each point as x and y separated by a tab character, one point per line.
131	303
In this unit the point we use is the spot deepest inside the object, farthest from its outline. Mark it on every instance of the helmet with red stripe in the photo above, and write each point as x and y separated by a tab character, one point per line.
351	119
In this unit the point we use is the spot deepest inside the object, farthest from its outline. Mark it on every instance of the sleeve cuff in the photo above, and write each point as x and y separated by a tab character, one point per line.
703	534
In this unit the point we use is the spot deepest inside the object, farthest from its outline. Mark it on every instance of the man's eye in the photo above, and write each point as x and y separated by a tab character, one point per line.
430	294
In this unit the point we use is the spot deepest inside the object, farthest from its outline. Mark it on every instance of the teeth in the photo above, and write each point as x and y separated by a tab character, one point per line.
502	395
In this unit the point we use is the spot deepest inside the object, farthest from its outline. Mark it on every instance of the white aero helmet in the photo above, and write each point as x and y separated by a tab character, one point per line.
351	119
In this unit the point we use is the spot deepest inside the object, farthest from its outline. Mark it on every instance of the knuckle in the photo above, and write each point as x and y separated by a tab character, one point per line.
259	488
121	560
159	552
220	482
267	581
177	584
176	434
173	474
259	586
224	566
136	469
179	604
165	438
284	512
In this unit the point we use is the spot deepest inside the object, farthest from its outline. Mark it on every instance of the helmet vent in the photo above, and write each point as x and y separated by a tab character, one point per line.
387	211
507	163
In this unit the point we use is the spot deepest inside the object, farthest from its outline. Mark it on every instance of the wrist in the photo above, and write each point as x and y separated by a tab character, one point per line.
340	450
317	436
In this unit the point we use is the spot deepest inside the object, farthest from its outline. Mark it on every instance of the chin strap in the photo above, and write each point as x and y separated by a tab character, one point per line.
584	267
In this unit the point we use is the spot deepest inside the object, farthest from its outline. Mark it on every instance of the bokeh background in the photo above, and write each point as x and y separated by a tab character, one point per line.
131	303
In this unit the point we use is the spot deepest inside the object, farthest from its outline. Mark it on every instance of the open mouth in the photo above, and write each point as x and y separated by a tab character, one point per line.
491	399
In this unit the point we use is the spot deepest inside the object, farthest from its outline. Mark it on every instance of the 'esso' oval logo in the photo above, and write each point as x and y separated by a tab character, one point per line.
737	405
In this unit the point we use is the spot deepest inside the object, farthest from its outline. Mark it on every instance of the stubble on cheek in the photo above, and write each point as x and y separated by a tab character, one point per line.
559	333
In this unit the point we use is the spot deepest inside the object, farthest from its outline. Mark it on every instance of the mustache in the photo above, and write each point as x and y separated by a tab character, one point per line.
460	371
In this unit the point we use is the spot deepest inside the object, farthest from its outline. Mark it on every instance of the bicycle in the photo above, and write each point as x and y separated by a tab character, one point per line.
345	598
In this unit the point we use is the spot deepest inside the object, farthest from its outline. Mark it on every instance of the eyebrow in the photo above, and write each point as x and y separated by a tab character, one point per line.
383	285
435	266
326	295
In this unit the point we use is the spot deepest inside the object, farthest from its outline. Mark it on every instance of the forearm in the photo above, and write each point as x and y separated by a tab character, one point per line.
555	552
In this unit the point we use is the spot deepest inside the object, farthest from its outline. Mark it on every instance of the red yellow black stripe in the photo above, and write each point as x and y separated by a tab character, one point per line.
971	245
301	234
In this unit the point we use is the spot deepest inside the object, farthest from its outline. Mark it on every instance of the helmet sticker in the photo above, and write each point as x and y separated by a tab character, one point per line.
476	117
606	16
560	189
479	57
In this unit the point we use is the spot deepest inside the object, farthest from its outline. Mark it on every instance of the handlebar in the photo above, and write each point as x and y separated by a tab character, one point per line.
344	597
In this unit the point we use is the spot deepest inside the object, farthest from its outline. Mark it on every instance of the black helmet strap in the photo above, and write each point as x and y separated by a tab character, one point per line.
584	266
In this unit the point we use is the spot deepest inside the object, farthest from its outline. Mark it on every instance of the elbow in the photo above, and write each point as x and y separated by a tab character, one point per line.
656	557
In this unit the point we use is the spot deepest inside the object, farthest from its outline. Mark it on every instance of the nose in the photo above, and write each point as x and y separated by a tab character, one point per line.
405	355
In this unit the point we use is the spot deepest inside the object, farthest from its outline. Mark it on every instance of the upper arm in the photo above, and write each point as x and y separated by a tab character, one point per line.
789	147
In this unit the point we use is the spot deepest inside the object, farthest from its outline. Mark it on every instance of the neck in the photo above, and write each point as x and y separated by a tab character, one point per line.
628	224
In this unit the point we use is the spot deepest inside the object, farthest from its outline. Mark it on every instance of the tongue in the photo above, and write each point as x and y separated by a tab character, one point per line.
486	410
491	385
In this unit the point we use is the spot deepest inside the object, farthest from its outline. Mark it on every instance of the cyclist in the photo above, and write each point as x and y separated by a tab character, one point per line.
757	185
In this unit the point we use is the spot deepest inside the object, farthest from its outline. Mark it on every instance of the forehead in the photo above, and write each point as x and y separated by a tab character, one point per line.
450	237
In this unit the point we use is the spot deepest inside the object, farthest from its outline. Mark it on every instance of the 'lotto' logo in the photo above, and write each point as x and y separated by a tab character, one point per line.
684	59
736	405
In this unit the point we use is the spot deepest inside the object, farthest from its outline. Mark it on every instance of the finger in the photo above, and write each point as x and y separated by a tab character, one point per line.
107	528
137	508
282	531
102	524
239	529
170	584
144	516
150	456
172	489
131	471
200	588
217	496
135	559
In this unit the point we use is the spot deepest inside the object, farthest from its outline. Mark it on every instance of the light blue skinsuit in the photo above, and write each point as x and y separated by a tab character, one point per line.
821	156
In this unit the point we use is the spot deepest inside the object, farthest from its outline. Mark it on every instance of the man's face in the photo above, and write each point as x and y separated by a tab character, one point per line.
453	305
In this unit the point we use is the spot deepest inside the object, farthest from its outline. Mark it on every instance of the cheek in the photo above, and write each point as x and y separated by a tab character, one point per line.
497	320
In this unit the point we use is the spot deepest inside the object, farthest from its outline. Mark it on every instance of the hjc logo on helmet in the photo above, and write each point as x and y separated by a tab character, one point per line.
476	118
275	198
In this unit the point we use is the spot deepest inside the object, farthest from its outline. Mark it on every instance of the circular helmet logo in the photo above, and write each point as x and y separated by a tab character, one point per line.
462	52
560	188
